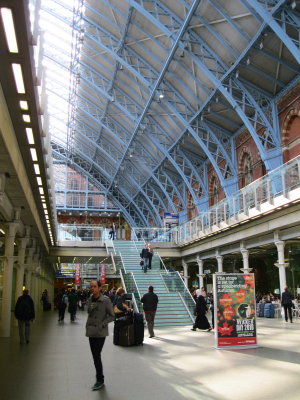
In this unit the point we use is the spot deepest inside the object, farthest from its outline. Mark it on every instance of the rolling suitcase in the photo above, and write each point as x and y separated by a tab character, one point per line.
138	323
122	335
261	309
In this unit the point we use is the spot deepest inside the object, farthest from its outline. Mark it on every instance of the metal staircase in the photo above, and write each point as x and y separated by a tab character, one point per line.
175	305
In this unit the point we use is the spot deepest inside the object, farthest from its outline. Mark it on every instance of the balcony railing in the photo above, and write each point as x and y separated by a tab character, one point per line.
277	189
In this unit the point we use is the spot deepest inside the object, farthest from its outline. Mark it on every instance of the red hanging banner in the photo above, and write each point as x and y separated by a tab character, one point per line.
77	274
102	274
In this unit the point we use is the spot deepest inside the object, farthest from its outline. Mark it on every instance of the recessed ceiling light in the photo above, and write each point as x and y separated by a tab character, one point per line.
9	29
29	134
33	154
26	118
39	180
36	168
23	105
18	75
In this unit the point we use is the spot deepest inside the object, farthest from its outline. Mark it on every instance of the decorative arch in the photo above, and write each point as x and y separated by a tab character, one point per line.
285	134
245	167
290	134
214	189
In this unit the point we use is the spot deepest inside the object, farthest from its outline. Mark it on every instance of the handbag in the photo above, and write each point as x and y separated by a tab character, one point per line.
142	263
117	310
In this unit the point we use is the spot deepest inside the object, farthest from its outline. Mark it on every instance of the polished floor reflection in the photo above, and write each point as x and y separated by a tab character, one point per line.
177	364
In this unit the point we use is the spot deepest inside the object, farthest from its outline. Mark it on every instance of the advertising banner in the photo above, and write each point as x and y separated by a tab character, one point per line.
77	274
235	314
102	274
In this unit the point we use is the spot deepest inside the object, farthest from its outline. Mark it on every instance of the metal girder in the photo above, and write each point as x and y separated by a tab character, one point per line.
87	164
124	205
212	147
285	18
170	187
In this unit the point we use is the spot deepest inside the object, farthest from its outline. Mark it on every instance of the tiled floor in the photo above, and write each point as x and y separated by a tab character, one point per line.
178	364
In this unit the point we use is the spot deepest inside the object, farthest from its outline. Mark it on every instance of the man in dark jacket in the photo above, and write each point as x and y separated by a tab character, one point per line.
24	312
286	302
150	301
145	256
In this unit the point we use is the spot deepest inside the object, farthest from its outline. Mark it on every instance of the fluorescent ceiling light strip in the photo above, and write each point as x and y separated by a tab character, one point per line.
23	105
29	134
9	29
36	169
39	181
33	154
17	70
41	190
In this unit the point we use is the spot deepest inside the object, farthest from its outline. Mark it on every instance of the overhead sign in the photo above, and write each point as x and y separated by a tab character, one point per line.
171	218
235	313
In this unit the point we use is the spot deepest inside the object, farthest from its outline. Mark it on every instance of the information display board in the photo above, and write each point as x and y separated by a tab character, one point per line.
234	308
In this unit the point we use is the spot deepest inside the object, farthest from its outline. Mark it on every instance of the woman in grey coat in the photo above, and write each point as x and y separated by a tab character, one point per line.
100	313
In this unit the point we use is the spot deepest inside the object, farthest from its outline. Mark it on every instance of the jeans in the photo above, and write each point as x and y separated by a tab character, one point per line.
96	345
24	330
146	264
150	322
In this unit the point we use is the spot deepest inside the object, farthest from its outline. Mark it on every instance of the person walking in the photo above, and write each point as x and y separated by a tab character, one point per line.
62	302
73	301
150	255
100	313
112	231
286	302
145	256
150	301
201	321
24	312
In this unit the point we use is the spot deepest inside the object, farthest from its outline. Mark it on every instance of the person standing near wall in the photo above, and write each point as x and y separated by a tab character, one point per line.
150	301
100	313
24	312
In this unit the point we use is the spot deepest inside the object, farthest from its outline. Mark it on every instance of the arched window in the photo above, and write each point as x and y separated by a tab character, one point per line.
246	170
74	184
213	191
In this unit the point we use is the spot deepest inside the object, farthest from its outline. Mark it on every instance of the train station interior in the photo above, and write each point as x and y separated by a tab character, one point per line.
173	123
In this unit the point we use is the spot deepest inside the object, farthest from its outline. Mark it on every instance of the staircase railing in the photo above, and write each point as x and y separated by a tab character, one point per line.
187	308
174	283
130	286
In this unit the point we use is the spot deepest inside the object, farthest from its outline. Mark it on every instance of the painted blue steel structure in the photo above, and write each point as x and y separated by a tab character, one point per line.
161	90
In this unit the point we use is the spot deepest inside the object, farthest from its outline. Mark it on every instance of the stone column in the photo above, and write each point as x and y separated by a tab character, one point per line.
245	254
29	271
281	264
200	275
5	322
185	273
20	271
220	261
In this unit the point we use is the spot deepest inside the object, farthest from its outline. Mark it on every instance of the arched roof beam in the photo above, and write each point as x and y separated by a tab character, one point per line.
179	170
105	176
204	140
285	17
239	101
61	153
168	183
